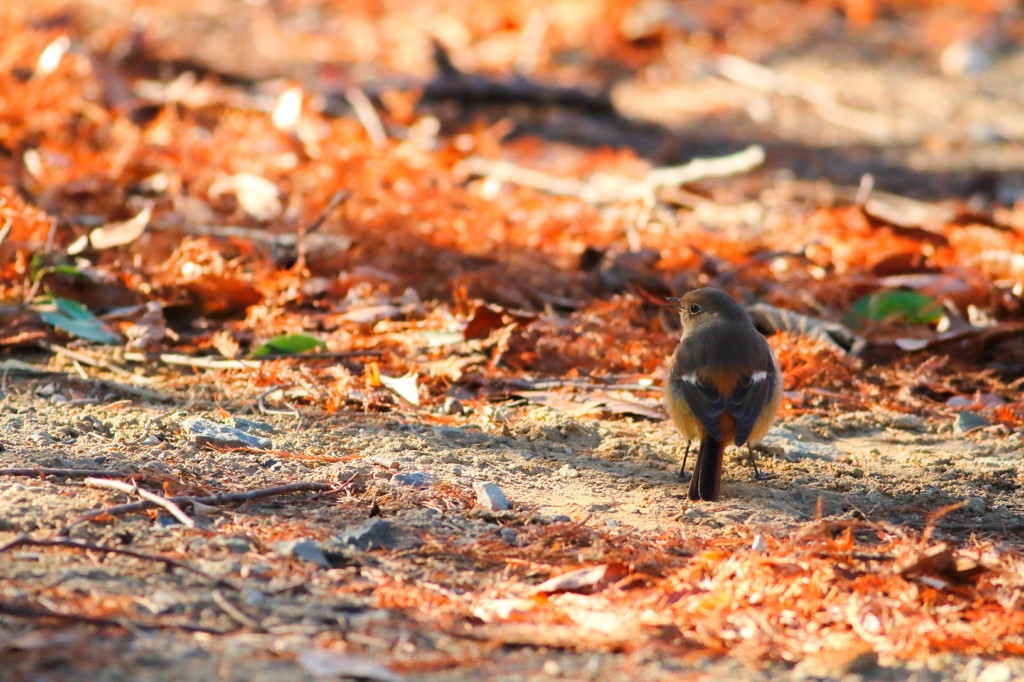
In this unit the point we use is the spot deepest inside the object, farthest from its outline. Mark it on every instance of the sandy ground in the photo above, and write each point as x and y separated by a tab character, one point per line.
617	477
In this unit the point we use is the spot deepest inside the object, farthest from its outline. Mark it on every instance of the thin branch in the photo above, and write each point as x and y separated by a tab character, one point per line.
31	611
25	541
233	611
336	199
367	116
133	489
69	473
216	362
212	500
91	361
822	99
602	188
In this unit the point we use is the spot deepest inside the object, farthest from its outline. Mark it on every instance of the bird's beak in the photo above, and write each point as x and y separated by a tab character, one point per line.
672	302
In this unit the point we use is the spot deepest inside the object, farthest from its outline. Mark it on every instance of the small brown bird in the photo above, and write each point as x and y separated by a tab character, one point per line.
724	385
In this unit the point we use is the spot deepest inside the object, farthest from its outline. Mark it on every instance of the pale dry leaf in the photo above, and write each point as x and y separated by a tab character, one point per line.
51	56
405	387
287	109
256	195
336	665
117	233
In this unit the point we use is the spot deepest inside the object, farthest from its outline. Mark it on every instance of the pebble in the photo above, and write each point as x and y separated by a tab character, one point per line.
966	421
996	672
373	534
975	505
909	422
568	471
236	545
413	479
249	425
452	406
489	496
303	549
508	536
206	433
694	514
41	437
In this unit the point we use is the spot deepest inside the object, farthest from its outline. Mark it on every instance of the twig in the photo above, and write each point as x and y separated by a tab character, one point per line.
452	84
233	611
133	489
609	188
335	201
25	541
69	473
138	391
367	116
91	361
329	243
191	361
213	362
213	500
27	611
822	99
261	405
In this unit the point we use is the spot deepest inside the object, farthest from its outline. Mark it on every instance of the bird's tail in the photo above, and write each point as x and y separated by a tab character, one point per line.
707	474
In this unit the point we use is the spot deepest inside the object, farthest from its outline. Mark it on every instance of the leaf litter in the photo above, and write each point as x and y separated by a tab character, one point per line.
480	326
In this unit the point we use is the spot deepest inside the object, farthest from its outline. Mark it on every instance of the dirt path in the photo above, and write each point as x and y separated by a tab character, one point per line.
613	478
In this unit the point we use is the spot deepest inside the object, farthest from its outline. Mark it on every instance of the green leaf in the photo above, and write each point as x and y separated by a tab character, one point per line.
899	305
75	319
289	344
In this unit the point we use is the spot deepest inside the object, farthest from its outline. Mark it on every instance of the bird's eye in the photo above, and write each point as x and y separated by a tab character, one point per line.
694	309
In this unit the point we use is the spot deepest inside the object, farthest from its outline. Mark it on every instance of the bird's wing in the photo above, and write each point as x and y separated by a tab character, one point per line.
749	400
705	402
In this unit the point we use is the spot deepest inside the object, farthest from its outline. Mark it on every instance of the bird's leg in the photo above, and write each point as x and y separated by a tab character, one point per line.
758	476
681	476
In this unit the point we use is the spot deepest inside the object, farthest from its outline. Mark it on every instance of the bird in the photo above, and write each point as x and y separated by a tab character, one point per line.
723	384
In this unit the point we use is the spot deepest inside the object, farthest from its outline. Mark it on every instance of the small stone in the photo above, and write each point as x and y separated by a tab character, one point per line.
975	505
968	421
374	534
452	406
694	514
303	549
614	523
253	597
909	422
150	440
508	536
559	518
489	496
249	425
206	433
413	479
995	672
236	545
58	398
568	471
41	437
